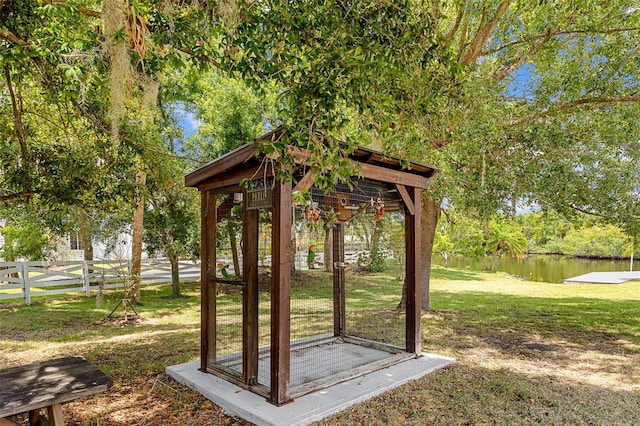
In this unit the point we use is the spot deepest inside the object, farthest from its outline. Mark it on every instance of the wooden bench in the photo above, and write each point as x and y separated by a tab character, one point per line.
49	384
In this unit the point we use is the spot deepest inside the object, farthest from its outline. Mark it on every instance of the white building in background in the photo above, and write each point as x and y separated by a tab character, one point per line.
71	248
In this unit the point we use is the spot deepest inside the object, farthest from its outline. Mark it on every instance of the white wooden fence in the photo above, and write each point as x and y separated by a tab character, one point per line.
24	280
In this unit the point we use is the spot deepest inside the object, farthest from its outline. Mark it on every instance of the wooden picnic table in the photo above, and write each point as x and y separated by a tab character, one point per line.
48	384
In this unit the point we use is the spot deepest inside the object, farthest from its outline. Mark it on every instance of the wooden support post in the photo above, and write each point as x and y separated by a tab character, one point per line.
339	317
413	274
54	414
281	294
207	287
250	296
34	417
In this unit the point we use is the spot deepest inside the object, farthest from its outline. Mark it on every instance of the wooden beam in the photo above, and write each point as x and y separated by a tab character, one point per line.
371	171
339	301
413	274
204	278
408	202
220	165
250	295
383	174
281	294
207	273
228	281
305	183
234	178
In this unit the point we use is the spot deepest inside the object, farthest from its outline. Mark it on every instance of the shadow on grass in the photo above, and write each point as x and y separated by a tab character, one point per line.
465	394
596	322
77	317
454	274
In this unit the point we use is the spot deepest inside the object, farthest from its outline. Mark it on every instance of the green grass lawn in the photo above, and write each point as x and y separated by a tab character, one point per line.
527	353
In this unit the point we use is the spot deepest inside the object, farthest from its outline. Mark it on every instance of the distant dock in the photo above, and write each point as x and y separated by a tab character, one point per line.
616	277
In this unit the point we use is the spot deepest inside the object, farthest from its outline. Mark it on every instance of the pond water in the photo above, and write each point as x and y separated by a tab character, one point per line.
546	268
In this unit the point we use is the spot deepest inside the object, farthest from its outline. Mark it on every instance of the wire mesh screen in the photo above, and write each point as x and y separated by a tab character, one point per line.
264	298
311	291
356	233
374	278
229	312
371	214
372	220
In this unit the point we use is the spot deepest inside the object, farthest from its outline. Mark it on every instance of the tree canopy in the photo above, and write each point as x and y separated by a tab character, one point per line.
508	98
514	101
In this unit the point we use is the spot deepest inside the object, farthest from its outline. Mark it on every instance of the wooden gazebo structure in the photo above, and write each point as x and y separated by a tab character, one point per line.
220	180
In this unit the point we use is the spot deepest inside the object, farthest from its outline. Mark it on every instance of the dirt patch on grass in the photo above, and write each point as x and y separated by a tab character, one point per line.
149	400
565	361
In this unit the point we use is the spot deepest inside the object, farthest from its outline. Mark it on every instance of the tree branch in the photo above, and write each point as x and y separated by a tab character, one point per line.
624	63
558	33
456	25
581	210
570	105
435	7
484	32
81	10
463	33
17	115
99	124
503	72
13	39
15	195
203	58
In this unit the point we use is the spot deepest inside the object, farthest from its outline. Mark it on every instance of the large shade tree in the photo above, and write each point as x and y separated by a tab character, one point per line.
82	81
512	100
548	113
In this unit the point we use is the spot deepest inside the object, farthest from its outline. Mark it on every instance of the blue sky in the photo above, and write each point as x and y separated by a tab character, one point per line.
187	120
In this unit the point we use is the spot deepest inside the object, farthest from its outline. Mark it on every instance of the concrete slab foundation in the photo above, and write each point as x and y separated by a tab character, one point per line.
310	407
604	278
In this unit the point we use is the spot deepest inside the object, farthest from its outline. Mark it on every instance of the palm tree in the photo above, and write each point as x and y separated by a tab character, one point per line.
504	239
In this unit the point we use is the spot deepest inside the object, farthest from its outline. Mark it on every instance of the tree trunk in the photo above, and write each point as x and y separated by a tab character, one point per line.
403	301
294	252
375	236
328	249
175	276
8	257
376	257
430	215
84	235
150	99
136	243
88	248
234	248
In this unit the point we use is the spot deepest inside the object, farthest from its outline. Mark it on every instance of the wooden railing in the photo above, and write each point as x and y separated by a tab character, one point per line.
24	280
